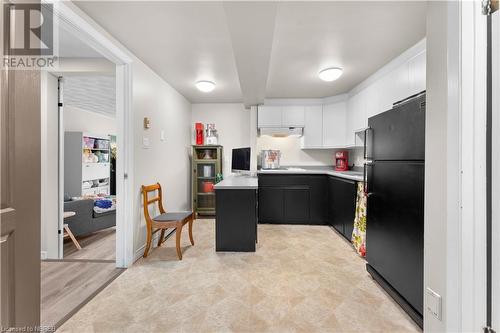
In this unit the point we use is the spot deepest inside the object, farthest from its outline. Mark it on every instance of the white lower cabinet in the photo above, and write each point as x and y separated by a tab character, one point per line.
334	129
313	127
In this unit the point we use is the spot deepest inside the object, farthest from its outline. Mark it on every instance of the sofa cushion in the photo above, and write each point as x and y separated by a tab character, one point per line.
109	212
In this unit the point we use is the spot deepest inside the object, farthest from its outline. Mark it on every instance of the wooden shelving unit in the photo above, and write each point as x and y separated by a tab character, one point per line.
206	165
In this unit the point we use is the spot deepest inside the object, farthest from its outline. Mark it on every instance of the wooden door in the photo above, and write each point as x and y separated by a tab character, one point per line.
20	197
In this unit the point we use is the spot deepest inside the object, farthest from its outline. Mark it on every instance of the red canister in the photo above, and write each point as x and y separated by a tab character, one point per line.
199	133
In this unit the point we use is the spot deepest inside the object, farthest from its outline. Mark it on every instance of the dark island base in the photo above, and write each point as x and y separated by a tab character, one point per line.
236	220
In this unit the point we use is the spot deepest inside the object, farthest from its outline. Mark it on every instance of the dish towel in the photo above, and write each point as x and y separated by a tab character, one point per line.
359	232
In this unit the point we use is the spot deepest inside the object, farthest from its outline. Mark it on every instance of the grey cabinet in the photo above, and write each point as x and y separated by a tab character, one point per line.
292	199
236	220
342	205
271	204
296	202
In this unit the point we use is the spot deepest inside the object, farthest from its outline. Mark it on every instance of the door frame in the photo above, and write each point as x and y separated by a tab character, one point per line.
469	306
89	32
495	179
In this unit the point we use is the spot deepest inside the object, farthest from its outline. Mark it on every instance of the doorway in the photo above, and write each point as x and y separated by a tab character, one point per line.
85	103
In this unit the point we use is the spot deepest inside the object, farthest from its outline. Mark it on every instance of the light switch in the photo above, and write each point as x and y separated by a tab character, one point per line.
433	302
145	142
162	135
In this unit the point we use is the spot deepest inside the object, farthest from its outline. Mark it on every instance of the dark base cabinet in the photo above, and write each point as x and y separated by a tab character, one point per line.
292	199
236	220
342	205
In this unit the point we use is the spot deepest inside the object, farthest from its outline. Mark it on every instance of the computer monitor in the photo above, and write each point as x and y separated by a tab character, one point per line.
240	159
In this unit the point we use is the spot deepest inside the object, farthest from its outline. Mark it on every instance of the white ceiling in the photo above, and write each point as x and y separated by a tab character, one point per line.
262	49
359	37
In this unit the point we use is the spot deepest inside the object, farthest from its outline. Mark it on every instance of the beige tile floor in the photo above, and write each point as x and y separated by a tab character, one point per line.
301	279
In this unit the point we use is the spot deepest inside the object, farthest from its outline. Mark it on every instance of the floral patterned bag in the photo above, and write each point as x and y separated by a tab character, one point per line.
359	232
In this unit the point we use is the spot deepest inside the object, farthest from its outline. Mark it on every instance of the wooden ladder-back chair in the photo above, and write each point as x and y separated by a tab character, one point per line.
164	221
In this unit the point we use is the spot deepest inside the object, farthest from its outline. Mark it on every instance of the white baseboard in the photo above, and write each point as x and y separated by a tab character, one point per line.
43	255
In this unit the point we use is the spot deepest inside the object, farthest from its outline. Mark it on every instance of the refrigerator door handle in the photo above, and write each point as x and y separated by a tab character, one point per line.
367	178
368	143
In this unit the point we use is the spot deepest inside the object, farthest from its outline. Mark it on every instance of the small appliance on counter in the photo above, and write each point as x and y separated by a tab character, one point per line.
342	160
270	159
199	133
211	136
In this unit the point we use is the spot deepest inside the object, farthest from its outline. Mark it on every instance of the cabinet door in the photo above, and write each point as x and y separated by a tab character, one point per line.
313	127
333	197
271	204
343	200
269	116
417	73
292	116
296	204
356	116
334	129
394	87
372	103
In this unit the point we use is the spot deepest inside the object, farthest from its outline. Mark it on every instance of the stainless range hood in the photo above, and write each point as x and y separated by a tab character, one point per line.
281	131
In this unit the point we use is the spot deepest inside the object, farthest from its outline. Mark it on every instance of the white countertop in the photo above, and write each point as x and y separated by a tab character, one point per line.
315	170
238	183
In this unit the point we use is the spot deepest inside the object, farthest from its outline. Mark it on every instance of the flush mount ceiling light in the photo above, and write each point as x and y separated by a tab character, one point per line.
205	86
330	74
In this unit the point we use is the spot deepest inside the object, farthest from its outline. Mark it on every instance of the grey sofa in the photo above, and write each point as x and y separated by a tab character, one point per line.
86	220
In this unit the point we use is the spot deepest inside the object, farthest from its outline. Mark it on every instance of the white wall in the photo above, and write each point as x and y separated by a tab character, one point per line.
166	161
232	123
435	167
49	167
79	120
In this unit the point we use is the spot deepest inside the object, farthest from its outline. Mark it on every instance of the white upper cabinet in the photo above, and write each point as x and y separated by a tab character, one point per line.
417	73
280	116
334	125
292	116
356	116
269	116
313	127
394	86
372	95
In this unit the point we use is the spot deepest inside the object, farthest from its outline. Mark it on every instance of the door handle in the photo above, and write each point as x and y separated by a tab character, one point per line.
4	238
367	187
367	151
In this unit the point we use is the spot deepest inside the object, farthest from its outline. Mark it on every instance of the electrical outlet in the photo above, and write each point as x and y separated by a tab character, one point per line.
433	303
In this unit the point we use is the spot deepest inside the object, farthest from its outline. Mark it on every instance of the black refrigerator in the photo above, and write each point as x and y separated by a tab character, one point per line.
394	171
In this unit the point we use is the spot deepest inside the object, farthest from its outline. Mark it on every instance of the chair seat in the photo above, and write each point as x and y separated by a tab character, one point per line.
174	216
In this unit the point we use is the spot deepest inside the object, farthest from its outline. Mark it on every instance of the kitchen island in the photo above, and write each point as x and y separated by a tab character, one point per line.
236	214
